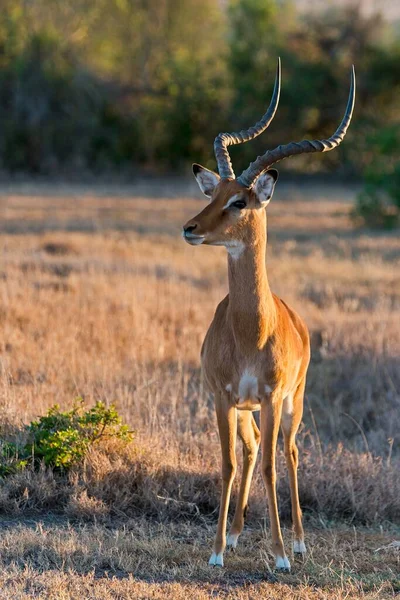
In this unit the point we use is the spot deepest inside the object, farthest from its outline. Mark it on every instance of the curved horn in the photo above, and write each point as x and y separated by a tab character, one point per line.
227	139
272	156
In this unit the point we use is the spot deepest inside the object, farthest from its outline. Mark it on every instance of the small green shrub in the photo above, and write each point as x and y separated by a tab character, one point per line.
61	440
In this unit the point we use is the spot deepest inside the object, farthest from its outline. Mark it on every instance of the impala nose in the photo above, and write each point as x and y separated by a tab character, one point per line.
189	228
191	235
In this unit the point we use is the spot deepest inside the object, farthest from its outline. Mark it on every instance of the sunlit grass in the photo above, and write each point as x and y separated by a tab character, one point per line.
100	298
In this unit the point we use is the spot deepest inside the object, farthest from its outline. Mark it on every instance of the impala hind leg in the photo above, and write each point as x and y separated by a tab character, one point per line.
250	436
271	409
227	427
291	418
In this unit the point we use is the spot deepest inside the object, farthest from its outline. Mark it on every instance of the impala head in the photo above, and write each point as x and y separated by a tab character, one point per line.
237	205
234	210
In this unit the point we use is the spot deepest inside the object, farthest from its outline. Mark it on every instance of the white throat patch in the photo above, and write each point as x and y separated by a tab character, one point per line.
235	249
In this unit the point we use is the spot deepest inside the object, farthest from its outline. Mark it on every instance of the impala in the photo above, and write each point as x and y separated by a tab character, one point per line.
256	352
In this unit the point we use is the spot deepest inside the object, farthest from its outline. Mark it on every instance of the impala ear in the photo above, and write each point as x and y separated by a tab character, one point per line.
206	179
264	186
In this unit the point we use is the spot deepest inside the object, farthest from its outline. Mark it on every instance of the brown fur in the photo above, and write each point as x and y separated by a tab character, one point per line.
253	331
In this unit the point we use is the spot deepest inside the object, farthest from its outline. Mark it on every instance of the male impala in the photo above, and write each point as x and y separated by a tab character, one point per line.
256	352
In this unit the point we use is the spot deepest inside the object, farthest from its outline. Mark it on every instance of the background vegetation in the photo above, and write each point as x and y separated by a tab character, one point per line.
111	83
93	86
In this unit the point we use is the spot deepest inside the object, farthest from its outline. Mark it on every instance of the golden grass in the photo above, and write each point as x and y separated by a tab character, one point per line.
142	560
101	298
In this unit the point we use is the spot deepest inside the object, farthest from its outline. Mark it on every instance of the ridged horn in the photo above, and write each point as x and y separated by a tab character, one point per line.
223	140
262	163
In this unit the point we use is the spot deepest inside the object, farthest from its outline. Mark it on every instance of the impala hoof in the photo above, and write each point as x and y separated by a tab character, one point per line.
299	547
282	563
216	560
232	540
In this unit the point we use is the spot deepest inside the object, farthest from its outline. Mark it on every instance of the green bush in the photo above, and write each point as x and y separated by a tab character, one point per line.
55	114
378	204
61	440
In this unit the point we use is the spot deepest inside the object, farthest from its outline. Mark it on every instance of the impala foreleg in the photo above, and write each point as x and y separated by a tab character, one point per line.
291	417
271	409
250	436
227	426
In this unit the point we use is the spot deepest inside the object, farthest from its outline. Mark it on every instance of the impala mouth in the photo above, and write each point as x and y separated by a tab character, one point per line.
192	239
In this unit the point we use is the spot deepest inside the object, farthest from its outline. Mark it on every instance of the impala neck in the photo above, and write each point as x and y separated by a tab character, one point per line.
251	305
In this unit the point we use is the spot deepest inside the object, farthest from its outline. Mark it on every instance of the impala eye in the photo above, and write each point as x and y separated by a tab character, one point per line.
238	204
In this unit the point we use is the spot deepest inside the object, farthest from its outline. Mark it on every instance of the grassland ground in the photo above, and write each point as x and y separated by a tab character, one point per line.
58	559
100	298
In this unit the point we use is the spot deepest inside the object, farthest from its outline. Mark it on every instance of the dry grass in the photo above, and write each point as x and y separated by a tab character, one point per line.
167	483
101	298
54	559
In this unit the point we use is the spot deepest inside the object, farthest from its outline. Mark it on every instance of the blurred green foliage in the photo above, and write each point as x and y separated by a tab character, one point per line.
378	204
61	439
99	84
